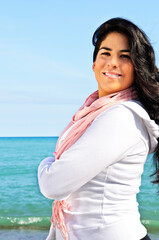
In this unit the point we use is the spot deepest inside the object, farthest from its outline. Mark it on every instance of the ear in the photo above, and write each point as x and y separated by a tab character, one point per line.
93	66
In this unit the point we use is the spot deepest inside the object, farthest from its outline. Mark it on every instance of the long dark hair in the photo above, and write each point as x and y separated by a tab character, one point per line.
146	79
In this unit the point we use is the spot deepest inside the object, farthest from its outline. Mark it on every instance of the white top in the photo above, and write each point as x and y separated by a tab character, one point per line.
100	175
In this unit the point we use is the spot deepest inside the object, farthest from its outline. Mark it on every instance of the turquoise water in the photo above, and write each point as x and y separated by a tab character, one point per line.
21	204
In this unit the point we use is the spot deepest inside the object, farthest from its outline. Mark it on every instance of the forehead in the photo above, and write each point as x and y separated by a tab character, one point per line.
115	40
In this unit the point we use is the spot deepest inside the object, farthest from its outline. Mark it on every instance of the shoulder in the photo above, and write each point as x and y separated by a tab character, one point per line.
126	112
121	119
130	117
118	120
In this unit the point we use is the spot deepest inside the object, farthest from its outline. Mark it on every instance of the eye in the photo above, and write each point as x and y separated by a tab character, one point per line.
125	56
105	53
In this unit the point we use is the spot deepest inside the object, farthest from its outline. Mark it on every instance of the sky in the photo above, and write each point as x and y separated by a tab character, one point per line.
46	58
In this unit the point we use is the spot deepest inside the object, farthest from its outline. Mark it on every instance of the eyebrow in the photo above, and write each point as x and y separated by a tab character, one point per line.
109	49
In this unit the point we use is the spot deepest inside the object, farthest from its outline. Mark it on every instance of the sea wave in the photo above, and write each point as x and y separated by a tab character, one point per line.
151	225
44	223
25	222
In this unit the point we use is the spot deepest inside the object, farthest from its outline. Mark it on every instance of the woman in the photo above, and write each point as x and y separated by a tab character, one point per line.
101	154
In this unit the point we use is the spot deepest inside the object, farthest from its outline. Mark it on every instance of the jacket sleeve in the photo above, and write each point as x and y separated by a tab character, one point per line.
105	142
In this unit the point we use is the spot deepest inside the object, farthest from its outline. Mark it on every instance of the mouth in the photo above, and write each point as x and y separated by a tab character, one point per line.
112	74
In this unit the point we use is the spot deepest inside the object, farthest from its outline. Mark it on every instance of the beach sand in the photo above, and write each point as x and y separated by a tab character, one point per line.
21	234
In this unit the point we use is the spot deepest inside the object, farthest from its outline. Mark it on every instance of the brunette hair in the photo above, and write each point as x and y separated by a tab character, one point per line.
146	80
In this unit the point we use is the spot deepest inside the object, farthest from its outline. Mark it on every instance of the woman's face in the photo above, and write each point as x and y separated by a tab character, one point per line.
113	67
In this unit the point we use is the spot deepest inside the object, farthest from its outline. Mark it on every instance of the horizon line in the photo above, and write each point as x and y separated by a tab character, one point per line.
27	136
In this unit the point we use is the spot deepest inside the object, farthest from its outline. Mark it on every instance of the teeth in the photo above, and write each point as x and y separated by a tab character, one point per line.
111	75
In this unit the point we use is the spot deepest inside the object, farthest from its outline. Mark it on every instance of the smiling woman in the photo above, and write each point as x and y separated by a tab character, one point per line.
100	156
113	67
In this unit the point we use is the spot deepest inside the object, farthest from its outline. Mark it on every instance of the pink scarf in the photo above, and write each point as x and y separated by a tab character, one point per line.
92	107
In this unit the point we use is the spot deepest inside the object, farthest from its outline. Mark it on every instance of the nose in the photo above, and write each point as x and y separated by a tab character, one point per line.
113	61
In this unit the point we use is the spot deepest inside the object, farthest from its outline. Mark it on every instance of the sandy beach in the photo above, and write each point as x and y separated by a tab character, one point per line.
21	234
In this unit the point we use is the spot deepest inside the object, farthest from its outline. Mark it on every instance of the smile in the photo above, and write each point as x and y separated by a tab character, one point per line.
112	75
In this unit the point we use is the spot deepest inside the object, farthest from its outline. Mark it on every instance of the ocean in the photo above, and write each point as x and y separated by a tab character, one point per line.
25	213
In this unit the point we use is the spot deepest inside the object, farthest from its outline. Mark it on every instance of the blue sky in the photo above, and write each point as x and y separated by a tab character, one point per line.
46	58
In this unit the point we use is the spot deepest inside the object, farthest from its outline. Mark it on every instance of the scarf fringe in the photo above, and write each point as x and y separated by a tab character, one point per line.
57	218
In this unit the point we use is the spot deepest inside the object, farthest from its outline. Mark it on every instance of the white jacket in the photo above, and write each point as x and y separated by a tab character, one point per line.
100	175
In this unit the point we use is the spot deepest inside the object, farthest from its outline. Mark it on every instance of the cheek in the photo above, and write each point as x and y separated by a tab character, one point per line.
132	72
100	64
129	69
